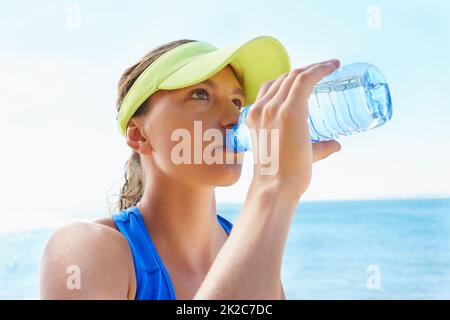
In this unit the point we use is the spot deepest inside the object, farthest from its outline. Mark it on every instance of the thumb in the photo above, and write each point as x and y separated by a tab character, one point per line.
323	149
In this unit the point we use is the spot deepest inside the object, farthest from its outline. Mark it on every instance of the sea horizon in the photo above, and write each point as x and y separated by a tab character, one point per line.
52	220
332	250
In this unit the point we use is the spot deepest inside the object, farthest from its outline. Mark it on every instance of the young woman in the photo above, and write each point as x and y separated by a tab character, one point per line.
167	241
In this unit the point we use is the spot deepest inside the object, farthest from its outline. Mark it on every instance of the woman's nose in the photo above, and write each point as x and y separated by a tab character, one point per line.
229	115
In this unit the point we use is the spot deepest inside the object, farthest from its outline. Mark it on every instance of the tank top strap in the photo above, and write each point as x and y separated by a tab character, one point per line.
226	225
152	279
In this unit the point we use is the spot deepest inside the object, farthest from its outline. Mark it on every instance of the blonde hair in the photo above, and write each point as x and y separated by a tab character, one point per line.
133	188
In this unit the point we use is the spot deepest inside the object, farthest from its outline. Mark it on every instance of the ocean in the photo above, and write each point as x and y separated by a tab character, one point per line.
377	249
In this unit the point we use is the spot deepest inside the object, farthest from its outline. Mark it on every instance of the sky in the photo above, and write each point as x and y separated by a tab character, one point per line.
60	62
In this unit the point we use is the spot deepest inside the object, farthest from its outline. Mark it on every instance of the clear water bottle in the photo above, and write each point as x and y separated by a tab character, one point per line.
354	98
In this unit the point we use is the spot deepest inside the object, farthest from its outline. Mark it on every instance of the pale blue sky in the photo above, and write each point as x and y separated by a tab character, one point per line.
60	145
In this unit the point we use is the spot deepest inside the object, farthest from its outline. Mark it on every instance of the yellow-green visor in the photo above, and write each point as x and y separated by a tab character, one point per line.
254	62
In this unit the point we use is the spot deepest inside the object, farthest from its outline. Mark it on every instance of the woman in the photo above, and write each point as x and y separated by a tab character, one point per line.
167	241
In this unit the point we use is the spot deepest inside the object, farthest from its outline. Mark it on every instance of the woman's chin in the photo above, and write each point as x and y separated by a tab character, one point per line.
225	174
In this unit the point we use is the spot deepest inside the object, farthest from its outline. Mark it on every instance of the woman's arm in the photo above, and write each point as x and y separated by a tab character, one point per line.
87	261
249	264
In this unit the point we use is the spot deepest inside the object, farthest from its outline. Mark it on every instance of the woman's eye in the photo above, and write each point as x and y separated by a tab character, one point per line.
202	92
239	103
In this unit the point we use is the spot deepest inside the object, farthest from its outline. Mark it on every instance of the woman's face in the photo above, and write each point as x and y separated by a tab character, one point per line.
175	134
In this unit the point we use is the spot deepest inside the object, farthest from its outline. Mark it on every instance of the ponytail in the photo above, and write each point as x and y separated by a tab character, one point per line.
133	188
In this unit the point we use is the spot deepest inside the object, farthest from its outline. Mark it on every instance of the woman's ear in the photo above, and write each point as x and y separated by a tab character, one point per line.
136	138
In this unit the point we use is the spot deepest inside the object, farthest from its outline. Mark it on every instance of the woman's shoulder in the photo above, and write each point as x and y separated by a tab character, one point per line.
96	248
107	222
100	231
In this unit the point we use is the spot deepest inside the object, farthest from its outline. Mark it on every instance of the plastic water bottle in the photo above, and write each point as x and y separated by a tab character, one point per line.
354	98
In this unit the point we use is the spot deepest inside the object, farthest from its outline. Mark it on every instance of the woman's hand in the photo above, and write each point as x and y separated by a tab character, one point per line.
241	269
282	105
323	149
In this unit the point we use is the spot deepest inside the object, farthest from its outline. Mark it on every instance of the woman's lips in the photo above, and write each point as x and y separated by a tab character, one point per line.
224	148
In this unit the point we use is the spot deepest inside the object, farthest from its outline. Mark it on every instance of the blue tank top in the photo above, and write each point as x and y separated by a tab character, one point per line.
152	279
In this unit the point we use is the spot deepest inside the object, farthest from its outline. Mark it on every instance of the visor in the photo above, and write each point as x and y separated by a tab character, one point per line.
254	62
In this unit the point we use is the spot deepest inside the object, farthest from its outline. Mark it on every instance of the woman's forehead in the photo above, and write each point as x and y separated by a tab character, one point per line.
226	76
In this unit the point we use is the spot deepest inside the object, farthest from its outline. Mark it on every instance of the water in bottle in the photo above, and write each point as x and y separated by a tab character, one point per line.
354	98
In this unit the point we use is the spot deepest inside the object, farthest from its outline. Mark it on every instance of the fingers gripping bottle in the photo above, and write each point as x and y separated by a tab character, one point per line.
354	98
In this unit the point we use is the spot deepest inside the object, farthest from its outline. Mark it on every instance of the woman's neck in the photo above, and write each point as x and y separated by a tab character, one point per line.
182	222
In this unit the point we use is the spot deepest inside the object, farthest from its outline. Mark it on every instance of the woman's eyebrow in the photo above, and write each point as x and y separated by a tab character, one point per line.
214	85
